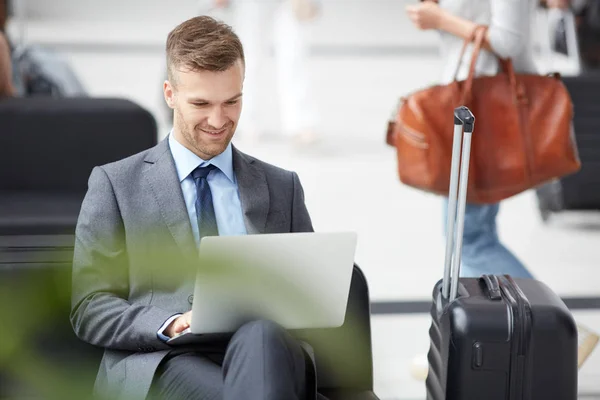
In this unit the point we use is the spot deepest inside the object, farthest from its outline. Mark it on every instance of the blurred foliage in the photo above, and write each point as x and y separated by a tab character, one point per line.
39	353
40	356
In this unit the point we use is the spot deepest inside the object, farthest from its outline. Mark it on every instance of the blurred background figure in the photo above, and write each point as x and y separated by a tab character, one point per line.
281	25
6	71
6	87
587	30
29	69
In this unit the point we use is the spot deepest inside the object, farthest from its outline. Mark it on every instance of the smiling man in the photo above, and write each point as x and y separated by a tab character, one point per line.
138	232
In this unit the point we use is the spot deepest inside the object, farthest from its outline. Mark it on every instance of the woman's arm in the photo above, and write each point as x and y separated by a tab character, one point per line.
505	37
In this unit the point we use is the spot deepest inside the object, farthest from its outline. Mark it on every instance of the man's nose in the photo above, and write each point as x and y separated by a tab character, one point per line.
217	118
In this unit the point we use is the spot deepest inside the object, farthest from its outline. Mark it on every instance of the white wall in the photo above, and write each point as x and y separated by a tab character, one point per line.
116	47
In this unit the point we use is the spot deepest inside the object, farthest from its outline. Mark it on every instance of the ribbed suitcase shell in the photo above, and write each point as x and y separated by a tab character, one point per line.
475	341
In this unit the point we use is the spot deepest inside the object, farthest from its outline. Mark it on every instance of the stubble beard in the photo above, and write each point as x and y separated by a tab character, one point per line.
193	136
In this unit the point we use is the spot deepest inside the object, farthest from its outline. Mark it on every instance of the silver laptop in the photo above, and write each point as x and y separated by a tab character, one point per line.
298	280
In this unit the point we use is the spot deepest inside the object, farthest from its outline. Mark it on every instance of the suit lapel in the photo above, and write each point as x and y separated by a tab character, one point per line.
162	178
254	192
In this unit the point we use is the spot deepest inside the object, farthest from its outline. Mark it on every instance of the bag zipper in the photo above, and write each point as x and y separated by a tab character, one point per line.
518	301
416	137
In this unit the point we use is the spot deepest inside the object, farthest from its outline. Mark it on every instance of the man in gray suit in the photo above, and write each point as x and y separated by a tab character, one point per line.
138	232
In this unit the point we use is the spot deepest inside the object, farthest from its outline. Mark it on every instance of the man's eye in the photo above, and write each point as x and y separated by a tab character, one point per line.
232	102
199	104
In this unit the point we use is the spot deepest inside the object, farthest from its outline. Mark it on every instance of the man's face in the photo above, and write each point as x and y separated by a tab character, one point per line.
207	106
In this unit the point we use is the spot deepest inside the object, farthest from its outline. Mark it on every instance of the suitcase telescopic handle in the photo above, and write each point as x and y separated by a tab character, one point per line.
463	116
457	196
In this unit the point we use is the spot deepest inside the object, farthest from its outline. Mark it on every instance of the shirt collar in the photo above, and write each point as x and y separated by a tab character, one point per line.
186	161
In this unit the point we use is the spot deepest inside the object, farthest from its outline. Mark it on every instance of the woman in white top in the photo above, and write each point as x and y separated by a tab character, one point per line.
508	35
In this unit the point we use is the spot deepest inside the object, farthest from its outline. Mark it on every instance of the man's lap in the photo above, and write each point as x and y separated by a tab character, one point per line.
203	372
189	375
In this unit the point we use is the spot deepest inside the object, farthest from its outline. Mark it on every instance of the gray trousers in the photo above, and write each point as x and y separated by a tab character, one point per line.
261	361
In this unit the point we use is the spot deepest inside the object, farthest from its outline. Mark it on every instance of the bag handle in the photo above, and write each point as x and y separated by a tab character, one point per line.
479	37
467	41
505	64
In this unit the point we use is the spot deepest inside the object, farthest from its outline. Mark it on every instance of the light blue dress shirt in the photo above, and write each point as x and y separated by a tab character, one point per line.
223	187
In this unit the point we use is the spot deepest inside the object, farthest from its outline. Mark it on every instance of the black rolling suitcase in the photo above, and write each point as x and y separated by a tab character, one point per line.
494	337
579	191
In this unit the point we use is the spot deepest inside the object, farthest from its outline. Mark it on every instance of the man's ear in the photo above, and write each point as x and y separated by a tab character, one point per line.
169	92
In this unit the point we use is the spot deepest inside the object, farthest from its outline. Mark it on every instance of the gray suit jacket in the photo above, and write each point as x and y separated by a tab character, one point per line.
134	262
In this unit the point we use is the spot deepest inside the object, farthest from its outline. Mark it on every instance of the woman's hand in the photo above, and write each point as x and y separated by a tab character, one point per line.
425	15
562	4
221	3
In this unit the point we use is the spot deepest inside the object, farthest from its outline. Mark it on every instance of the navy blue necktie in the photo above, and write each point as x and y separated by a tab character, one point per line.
205	212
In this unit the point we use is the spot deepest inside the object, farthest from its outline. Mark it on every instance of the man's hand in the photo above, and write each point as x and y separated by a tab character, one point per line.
179	325
425	15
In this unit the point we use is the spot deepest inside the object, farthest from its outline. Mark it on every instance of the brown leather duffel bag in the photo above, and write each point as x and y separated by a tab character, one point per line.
523	136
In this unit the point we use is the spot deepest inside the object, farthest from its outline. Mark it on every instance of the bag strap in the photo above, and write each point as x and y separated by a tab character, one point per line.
505	64
479	37
467	41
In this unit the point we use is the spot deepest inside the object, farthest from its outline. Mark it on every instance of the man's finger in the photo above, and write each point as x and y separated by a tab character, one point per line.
180	327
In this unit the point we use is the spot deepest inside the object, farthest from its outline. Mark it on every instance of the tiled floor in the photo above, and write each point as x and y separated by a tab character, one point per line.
350	179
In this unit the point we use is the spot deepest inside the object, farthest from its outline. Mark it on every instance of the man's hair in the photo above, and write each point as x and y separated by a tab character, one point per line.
202	43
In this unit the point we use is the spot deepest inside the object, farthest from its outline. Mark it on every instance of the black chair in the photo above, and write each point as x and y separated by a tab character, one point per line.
48	148
343	356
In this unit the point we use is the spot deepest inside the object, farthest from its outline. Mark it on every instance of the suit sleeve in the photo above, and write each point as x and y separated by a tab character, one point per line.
301	221
101	314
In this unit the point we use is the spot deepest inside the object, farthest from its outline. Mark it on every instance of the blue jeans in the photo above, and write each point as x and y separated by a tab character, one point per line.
482	251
